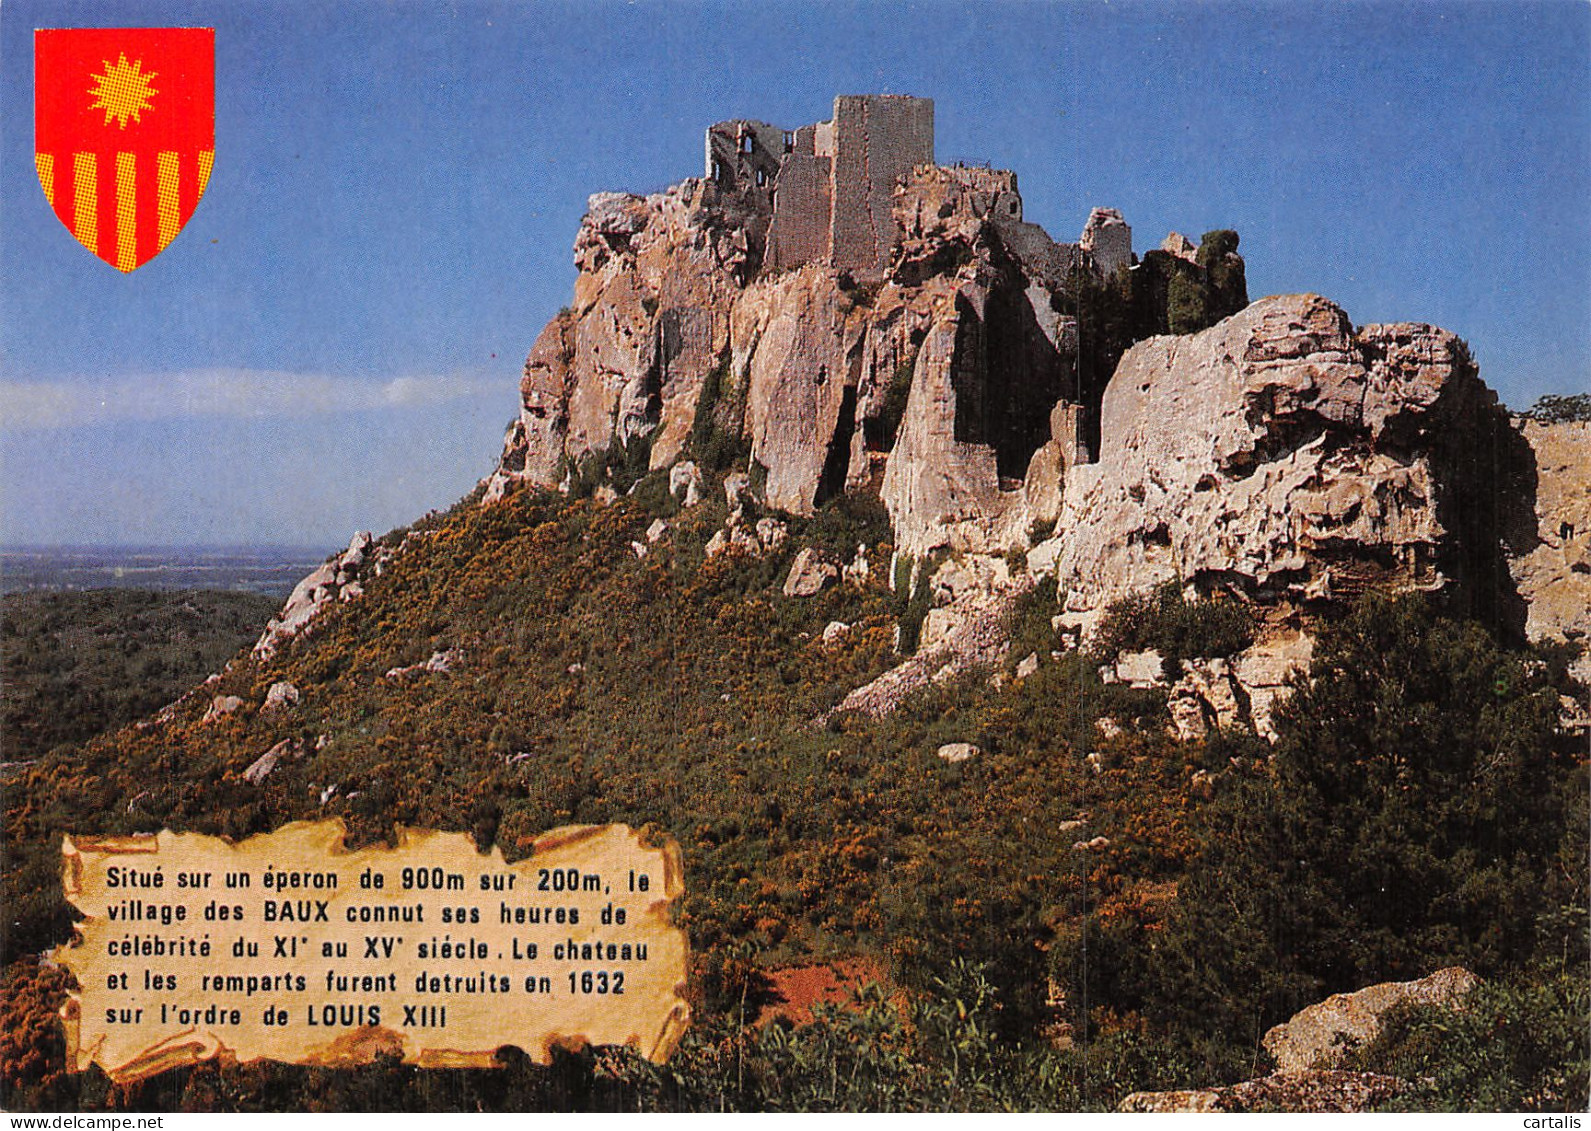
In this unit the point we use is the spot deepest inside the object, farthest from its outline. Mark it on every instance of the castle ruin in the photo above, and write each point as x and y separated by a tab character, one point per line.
830	186
832	190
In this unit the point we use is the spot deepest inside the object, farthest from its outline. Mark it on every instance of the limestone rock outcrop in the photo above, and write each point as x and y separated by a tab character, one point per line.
1313	1091
649	322
975	637
1554	574
1309	1051
1280	454
759	537
810	574
220	706
1315	1036
1264	671
438	662
338	579
947	363
281	696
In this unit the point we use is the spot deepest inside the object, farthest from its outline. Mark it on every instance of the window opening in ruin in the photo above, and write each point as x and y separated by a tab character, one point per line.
745	144
762	177
789	141
1013	208
718	170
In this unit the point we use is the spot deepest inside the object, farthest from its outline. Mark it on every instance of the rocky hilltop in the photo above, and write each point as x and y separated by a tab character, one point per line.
936	585
981	378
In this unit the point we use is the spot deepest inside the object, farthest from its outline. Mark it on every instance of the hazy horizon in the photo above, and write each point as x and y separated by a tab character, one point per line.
334	342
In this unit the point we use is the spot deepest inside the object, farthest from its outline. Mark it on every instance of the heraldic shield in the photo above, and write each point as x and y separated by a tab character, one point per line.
124	133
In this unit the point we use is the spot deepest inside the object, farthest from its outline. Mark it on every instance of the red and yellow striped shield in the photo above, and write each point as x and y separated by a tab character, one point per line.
124	133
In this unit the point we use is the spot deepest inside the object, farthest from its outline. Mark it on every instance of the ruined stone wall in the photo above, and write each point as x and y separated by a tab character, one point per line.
800	231
1108	240
878	140
1041	257
744	155
933	194
823	138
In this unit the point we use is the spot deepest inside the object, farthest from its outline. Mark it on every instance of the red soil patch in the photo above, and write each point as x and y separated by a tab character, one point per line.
799	988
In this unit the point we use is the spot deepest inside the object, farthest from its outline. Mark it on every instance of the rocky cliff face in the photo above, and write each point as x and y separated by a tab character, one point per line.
809	369
1281	456
650	319
1553	571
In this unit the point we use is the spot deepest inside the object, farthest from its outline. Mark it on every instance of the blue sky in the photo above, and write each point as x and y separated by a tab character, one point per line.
334	341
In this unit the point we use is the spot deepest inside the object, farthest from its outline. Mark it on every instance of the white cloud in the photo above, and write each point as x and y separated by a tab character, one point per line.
232	393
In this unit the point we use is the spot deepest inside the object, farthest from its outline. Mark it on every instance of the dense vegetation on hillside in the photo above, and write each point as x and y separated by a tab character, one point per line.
1422	808
78	663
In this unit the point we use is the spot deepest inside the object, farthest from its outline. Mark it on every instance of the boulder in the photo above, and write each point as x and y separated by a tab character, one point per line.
978	639
1264	669
685	483
281	696
1207	696
336	579
764	537
1315	1037
438	662
856	571
809	574
1140	669
221	705
958	751
771	533
1283	453
737	489
1188	720
263	766
1297	1091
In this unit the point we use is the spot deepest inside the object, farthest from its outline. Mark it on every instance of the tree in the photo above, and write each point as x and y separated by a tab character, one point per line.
1186	304
1409	820
1553	409
1224	273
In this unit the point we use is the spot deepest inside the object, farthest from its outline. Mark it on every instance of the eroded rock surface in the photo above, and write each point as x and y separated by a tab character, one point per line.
1278	452
1554	575
1317	1036
338	579
1309	1091
948	364
1282	455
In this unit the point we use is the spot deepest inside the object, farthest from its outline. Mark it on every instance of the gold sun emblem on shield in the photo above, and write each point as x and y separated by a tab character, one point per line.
123	91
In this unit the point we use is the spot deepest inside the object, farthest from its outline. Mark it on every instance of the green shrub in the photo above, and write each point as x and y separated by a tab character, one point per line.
896	394
1518	1044
1411	817
1179	629
716	440
1554	409
1186	303
917	604
1225	277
